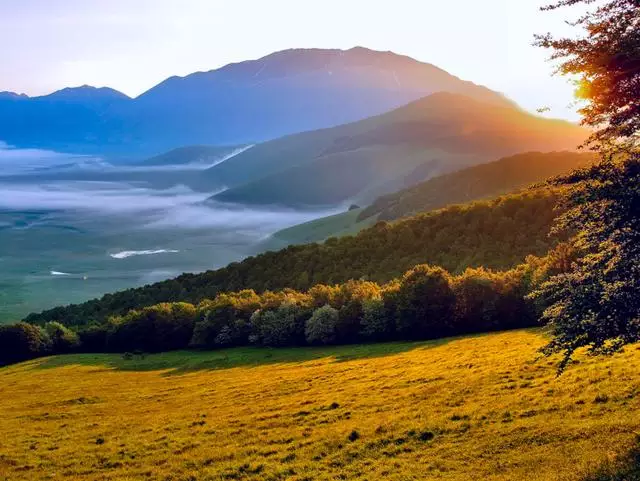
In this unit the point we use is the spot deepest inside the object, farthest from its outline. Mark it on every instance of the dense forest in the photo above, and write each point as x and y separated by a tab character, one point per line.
426	302
496	234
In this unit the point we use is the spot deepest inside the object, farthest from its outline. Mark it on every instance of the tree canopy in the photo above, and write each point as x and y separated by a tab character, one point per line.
606	62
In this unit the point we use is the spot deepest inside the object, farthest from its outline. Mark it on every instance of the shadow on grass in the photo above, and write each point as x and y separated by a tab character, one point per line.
180	362
625	467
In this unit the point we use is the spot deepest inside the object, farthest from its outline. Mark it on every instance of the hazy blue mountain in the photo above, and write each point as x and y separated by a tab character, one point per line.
360	161
192	154
247	102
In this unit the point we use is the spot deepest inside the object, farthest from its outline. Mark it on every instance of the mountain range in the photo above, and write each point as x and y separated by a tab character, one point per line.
360	161
248	102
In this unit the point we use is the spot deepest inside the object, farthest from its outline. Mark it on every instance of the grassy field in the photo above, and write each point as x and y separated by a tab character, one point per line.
459	409
319	230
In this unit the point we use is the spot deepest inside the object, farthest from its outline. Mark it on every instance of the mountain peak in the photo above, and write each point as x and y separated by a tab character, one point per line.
86	92
12	95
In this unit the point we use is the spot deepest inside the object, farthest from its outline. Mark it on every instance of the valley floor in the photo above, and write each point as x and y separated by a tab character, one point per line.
459	409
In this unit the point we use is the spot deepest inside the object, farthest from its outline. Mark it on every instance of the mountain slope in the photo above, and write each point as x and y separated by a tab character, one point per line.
486	180
247	102
360	161
473	183
493	234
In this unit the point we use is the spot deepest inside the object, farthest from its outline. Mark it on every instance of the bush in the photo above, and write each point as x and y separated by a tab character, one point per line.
22	341
425	304
321	327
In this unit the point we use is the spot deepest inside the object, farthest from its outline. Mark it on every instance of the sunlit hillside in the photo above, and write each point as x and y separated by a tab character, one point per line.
458	409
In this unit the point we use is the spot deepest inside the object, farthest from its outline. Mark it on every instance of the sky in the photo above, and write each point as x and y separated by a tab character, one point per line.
131	45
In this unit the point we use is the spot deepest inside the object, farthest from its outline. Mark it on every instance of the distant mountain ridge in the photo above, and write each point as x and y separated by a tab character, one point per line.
360	161
248	102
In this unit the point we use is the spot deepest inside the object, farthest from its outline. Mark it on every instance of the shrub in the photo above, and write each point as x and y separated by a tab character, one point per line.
321	327
21	341
425	304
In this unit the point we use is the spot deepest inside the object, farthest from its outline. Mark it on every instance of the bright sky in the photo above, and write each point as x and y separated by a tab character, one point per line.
131	45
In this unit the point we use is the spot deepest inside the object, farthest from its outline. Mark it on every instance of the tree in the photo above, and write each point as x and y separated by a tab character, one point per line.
62	340
21	341
596	304
425	304
283	326
162	327
606	61
321	327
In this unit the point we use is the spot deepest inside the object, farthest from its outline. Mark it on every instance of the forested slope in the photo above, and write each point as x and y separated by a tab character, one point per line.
494	234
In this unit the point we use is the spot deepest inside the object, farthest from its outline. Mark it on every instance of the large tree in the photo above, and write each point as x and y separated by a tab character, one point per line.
597	304
605	58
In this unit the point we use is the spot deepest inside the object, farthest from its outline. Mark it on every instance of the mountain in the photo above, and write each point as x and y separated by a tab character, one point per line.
193	154
483	181
253	101
495	234
11	96
75	120
360	161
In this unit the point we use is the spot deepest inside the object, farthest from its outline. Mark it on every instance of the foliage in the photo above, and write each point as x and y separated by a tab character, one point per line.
61	339
162	327
321	328
425	304
225	321
376	324
283	326
607	62
21	341
596	304
496	234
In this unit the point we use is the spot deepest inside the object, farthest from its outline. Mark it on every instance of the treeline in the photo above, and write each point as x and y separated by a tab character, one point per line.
425	303
478	182
496	234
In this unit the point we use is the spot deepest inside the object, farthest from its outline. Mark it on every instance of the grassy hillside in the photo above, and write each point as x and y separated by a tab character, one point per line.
385	153
495	234
457	409
345	223
481	181
473	183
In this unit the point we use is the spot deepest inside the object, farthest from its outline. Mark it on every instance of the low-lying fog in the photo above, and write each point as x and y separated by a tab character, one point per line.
67	239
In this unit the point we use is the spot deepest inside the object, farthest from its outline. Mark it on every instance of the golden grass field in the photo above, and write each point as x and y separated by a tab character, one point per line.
475	408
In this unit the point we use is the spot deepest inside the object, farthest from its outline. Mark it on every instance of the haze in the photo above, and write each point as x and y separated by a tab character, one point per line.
132	46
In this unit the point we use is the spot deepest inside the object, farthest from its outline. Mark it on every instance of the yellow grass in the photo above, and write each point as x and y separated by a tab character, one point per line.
475	408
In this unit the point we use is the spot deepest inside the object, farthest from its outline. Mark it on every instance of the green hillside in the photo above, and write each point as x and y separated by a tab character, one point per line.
494	234
473	183
481	181
345	223
363	160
